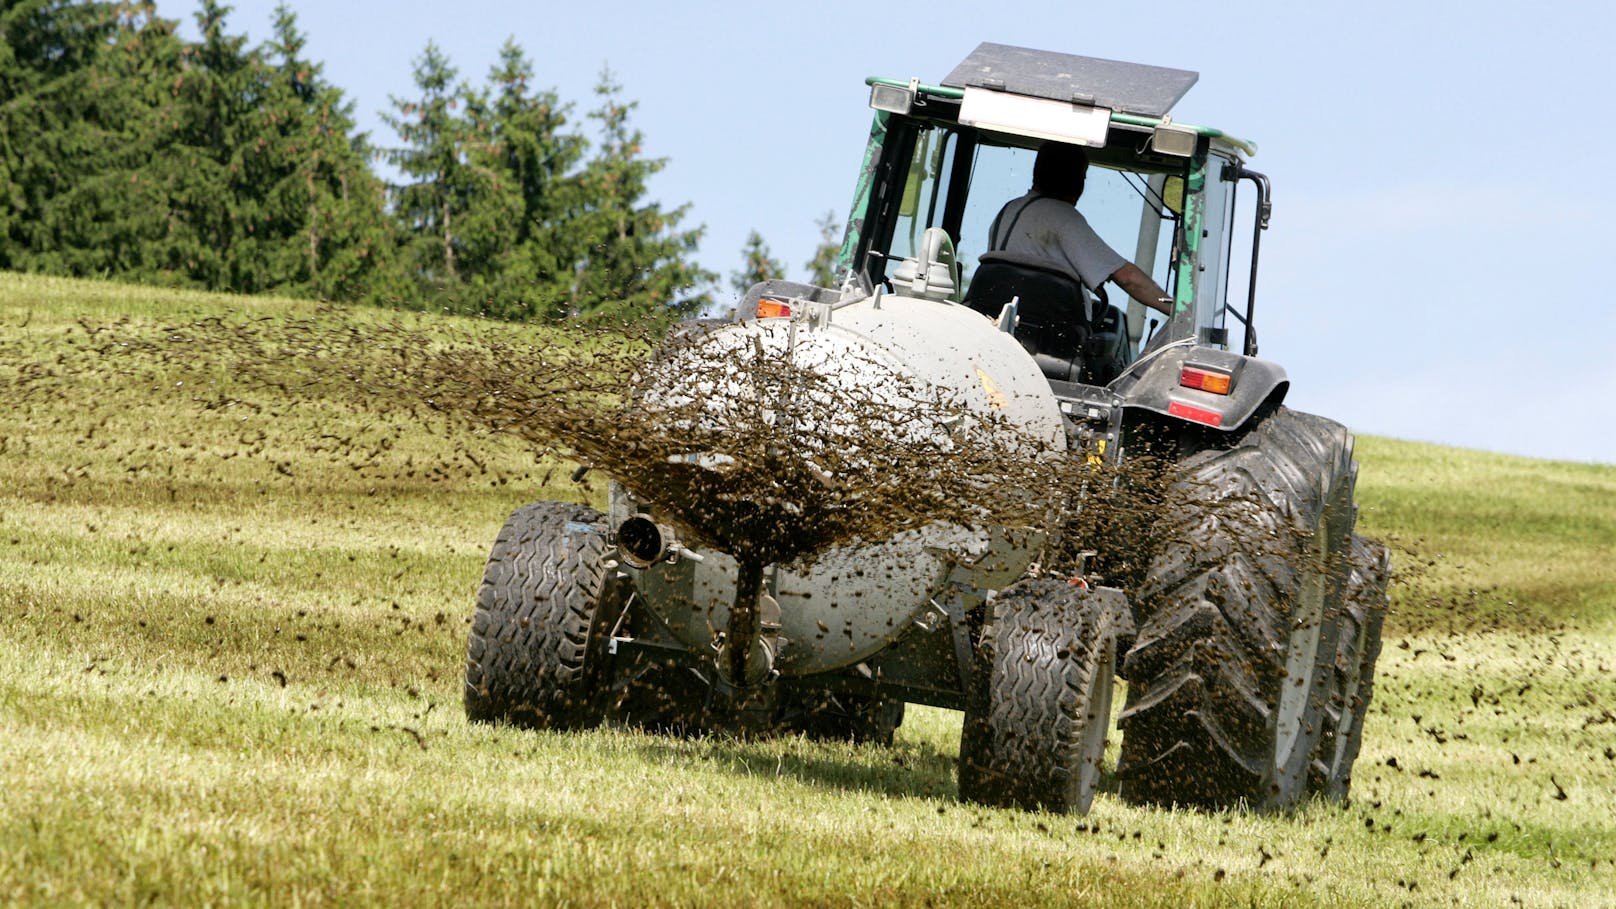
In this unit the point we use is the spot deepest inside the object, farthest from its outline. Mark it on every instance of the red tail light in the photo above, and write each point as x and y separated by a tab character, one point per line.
1198	414
1217	383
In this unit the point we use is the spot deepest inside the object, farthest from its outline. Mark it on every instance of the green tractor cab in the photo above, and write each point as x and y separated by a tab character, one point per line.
1163	194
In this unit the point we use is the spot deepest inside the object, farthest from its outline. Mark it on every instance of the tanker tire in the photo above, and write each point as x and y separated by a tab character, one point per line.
534	656
1039	699
1353	672
1238	616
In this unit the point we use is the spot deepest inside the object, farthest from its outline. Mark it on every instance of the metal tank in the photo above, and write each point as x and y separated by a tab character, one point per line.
842	605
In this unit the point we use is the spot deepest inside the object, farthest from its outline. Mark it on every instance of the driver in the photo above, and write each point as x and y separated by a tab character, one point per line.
1045	224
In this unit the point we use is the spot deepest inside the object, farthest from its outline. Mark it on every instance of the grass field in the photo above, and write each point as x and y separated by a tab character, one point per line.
232	660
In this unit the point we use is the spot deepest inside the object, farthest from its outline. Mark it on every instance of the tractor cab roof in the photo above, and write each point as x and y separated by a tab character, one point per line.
1131	88
1048	95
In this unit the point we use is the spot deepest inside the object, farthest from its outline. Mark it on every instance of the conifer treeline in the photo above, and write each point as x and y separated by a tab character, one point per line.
129	152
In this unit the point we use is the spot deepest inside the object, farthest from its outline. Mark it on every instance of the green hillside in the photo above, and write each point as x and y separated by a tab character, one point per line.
233	654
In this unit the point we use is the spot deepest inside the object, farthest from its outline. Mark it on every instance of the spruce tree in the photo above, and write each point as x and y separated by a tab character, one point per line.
636	264
521	144
319	198
48	50
206	176
438	183
86	108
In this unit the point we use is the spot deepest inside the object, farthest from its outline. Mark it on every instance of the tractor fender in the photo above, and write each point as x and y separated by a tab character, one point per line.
1153	383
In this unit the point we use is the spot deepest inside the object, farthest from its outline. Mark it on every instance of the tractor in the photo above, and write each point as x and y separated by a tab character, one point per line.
1245	623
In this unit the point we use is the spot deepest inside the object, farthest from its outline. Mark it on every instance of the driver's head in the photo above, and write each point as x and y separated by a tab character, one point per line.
1059	170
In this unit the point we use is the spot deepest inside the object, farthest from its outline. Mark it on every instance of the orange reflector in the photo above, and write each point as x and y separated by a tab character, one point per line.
1209	417
772	309
1205	380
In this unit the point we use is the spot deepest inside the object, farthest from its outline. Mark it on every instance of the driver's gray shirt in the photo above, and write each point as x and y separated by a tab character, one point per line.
1055	231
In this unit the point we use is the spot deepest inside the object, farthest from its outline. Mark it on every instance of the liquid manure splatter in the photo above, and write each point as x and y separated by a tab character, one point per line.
758	456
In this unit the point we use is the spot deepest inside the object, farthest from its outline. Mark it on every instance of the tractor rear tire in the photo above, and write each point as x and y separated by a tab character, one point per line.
1353	672
534	656
1039	699
1238	615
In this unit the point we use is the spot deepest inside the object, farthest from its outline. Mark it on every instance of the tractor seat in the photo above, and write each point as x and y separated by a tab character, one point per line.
1053	312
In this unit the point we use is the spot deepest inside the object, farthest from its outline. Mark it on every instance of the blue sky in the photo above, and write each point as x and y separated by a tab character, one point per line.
1436	268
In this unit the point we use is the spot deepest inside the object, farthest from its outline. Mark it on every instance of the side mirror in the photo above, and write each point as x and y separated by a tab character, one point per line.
934	274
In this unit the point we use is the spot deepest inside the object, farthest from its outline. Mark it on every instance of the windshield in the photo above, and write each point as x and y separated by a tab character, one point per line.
1126	208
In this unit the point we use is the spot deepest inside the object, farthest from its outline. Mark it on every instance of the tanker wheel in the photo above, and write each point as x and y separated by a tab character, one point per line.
534	655
1352	675
1238	615
1039	698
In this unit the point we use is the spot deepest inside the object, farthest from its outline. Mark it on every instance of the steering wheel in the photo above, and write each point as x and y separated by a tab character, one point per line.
1101	308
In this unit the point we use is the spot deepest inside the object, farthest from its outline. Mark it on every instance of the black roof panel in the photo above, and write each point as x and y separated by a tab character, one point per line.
1134	88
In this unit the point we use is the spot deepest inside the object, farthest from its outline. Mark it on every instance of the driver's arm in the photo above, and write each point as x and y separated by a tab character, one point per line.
1139	286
